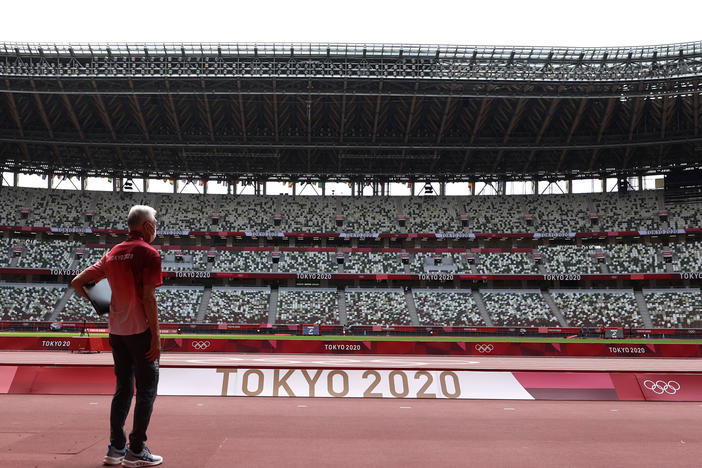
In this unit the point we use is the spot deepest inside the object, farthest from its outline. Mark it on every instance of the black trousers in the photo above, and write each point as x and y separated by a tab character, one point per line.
129	353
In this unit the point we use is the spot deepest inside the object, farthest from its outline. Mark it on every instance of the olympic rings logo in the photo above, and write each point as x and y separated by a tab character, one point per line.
659	387
484	348
200	345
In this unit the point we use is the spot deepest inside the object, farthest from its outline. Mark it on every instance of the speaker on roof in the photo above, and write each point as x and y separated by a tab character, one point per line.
622	185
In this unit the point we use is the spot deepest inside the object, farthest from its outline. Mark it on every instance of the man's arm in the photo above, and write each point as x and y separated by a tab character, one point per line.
89	275
151	311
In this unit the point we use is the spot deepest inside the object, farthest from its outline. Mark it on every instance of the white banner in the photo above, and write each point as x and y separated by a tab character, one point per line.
341	383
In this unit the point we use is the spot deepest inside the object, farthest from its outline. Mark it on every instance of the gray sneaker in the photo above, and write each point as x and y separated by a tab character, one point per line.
114	456
145	458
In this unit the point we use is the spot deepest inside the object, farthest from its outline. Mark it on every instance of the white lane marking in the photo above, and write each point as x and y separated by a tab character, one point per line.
405	407
509	409
302	406
93	403
614	410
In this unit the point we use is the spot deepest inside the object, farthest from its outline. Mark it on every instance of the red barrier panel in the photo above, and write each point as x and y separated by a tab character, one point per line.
182	343
670	387
523	385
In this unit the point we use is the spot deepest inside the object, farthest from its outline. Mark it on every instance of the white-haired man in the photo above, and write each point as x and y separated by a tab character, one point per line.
133	270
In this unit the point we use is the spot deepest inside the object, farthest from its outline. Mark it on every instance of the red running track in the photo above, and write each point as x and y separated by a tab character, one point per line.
63	431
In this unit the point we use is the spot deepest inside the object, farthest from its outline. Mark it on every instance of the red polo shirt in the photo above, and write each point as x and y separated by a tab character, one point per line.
129	267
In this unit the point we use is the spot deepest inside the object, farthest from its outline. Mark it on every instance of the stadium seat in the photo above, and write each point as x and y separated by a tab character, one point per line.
674	308
521	308
376	307
178	304
29	302
238	305
313	305
598	308
447	308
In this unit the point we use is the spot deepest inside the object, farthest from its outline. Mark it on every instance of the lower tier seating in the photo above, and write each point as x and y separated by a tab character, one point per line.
238	305
178	304
674	308
376	307
298	305
447	308
30	302
78	309
598	308
518	308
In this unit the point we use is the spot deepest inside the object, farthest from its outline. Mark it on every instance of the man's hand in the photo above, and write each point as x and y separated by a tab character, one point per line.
151	311
155	350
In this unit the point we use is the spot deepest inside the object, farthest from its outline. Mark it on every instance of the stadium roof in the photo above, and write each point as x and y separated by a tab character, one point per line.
349	111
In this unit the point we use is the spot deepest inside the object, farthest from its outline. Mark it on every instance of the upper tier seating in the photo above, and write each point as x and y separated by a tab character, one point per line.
447	308
492	213
684	215
13	200
308	262
598	308
369	214
35	302
376	307
185	212
247	213
111	209
431	214
559	213
298	305
308	214
238	305
495	214
507	263
63	208
178	304
674	308
524	308
632	212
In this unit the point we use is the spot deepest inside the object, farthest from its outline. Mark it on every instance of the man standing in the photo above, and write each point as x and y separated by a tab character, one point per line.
133	270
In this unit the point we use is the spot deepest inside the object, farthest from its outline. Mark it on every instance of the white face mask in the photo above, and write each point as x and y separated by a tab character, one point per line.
150	232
